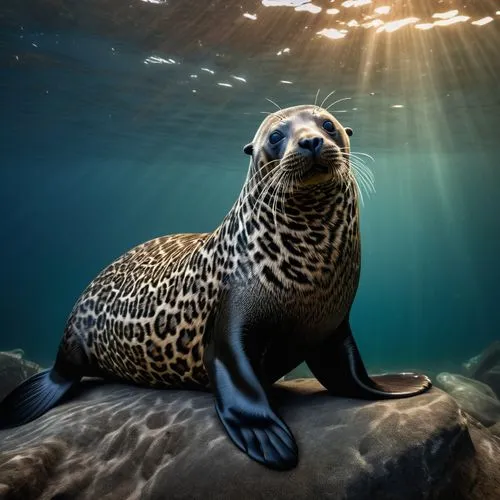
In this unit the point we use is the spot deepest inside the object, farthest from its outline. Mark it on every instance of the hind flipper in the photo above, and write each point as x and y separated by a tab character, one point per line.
33	397
338	366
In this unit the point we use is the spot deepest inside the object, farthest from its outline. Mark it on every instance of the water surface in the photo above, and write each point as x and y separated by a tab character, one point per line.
121	123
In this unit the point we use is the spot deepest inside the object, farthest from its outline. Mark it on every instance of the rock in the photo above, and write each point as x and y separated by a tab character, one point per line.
491	377
485	367
119	441
495	429
14	369
481	471
483	361
469	367
474	397
454	381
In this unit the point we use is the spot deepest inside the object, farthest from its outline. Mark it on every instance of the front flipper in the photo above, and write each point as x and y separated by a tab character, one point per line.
232	359
338	366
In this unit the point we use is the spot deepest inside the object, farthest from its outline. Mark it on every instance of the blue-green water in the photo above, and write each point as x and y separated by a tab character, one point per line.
100	151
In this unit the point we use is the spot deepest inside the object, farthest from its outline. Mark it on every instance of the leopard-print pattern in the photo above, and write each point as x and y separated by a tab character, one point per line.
143	318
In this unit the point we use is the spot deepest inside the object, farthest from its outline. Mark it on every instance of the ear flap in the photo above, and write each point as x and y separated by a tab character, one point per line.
248	149
348	131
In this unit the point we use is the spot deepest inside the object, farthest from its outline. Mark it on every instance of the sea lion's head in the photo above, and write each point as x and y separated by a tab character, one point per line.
301	146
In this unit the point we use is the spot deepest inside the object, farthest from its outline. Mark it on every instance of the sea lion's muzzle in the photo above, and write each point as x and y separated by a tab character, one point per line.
319	159
311	145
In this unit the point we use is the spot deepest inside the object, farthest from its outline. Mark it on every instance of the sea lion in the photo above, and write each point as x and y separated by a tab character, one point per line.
236	309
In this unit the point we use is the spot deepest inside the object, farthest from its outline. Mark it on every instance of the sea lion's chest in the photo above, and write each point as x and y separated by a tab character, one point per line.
287	316
309	277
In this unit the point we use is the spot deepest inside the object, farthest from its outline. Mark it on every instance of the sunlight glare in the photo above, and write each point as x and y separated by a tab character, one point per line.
395	25
309	7
483	21
373	24
383	10
453	20
445	15
332	33
283	3
355	3
424	26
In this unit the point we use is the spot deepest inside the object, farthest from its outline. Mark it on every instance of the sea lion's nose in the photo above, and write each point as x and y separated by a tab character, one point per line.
312	144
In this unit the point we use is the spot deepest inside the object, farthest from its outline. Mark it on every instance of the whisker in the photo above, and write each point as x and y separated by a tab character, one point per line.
359	161
272	102
276	195
272	194
289	185
260	199
347	177
362	182
355	153
367	176
284	180
360	193
295	177
326	98
369	181
361	165
369	189
350	184
363	169
316	98
366	186
346	180
337	101
251	179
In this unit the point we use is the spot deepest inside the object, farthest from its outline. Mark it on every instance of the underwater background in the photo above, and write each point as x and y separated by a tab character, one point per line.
121	122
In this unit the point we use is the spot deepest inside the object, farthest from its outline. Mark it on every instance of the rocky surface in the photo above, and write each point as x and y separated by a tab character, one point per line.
485	367
495	429
481	471
473	396
492	378
14	369
117	441
483	361
477	391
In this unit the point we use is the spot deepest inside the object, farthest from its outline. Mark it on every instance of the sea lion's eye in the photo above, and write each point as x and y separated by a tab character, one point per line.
329	126
275	137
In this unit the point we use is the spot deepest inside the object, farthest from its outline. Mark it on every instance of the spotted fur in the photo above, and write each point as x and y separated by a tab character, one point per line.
144	317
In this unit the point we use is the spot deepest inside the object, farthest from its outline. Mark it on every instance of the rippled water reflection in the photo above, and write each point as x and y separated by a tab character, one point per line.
122	122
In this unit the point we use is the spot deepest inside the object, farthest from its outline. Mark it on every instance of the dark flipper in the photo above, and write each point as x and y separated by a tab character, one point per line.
231	359
337	364
41	392
33	398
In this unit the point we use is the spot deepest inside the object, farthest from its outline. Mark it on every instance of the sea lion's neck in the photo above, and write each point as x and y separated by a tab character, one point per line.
308	207
313	224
